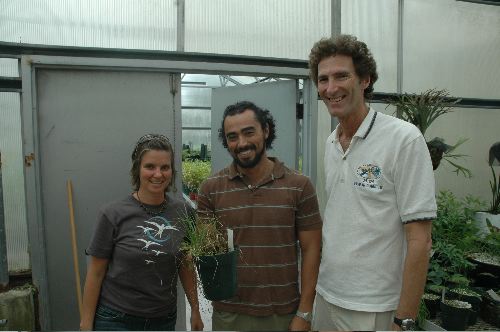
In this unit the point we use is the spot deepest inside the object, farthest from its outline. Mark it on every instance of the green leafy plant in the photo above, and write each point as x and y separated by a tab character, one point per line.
495	191
194	173
422	110
454	235
455	220
422	314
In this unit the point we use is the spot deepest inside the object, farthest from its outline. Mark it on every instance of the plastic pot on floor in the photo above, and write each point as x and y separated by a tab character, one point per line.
432	304
455	315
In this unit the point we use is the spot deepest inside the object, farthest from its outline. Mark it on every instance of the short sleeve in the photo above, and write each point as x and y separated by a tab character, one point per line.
308	216
414	182
102	243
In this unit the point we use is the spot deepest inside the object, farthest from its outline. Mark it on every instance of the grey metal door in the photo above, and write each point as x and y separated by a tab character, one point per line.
279	98
88	122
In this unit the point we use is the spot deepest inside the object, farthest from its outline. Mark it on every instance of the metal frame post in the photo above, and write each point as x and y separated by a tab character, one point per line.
4	268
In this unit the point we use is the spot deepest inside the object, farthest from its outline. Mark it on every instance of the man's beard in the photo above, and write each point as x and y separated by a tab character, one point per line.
252	162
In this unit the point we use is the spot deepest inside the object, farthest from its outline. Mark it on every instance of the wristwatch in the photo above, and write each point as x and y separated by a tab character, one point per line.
307	316
406	324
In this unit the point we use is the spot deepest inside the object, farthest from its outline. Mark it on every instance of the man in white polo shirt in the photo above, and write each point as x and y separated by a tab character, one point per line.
380	188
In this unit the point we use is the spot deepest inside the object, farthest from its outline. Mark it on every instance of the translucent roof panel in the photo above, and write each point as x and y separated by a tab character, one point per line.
376	23
134	24
278	28
452	45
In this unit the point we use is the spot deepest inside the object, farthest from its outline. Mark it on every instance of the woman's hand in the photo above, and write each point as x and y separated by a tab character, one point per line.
196	322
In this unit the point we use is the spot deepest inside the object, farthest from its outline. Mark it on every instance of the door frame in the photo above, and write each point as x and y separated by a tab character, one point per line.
29	65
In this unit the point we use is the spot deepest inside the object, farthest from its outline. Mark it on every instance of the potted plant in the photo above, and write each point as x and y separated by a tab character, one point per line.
421	110
455	314
453	237
490	312
210	248
486	273
193	174
431	302
469	296
489	221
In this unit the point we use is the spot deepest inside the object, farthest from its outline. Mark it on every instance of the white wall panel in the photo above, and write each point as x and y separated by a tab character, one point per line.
13	183
482	128
453	45
375	23
8	67
95	23
278	28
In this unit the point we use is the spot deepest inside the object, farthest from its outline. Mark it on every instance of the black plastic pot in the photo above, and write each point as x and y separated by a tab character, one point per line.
218	275
474	301
454	319
485	275
490	311
476	307
432	306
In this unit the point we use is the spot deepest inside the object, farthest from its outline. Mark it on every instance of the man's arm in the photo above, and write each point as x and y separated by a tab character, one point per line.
419	243
310	244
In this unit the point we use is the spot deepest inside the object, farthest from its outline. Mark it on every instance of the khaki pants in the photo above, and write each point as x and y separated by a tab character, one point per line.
328	316
230	321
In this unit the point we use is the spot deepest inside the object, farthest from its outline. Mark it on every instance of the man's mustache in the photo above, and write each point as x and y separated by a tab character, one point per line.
246	148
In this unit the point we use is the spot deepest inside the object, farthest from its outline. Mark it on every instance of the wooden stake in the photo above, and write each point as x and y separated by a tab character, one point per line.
74	247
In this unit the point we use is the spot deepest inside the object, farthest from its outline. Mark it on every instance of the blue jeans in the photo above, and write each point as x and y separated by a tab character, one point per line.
108	319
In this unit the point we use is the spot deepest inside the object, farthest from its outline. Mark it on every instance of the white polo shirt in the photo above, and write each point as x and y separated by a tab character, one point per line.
382	181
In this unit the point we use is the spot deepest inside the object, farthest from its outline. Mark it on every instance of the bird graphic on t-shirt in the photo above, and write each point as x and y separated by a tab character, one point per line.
149	262
161	228
146	229
148	243
157	252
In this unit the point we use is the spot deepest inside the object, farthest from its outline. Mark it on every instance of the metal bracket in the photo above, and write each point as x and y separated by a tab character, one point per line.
28	159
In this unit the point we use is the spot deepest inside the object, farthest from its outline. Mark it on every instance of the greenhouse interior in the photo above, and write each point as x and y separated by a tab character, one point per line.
112	71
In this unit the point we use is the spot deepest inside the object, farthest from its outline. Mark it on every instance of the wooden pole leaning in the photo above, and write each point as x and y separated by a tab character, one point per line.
74	246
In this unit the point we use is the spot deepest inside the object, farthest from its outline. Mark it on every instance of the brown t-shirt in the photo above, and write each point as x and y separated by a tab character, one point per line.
265	220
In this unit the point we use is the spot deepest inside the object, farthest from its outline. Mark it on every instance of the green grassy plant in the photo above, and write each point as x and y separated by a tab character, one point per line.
204	236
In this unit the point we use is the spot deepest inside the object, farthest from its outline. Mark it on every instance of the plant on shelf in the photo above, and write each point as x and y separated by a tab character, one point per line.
494	160
489	221
431	303
455	314
421	110
209	246
193	174
453	237
495	191
469	296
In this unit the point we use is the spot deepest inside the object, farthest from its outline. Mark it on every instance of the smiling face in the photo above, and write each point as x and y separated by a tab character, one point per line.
246	139
340	88
155	172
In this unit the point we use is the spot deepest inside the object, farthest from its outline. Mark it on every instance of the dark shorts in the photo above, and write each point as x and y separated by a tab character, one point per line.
109	319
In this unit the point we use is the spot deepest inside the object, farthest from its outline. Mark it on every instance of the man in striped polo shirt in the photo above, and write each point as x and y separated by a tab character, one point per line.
270	207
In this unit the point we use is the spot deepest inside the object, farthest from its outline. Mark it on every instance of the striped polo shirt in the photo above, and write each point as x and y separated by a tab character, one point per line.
265	220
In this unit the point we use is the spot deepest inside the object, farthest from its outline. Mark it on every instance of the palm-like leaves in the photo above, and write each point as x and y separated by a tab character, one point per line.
495	190
421	110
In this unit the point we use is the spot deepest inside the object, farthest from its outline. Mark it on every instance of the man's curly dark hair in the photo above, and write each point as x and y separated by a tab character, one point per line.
362	58
263	116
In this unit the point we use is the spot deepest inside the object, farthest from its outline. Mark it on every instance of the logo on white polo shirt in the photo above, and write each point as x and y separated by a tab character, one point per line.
369	175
